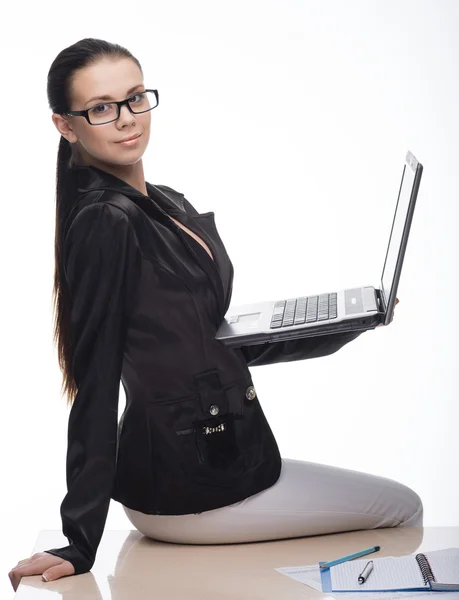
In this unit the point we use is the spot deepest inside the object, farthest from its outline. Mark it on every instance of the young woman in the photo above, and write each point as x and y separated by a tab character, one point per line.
142	282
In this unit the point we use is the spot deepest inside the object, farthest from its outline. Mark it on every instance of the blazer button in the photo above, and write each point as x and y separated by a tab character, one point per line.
250	393
214	409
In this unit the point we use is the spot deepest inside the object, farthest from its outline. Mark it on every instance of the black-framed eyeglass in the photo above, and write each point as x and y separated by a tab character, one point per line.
146	100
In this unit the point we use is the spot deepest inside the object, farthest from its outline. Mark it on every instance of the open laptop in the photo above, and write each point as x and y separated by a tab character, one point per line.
332	312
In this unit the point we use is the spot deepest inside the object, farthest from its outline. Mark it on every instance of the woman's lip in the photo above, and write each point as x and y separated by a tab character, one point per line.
130	142
130	139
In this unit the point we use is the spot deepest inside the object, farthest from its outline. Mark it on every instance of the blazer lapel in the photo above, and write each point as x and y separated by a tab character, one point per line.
203	225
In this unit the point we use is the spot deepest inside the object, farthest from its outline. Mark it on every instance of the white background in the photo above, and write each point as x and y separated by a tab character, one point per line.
291	120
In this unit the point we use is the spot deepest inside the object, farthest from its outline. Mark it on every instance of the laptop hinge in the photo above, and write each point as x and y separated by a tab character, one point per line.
379	301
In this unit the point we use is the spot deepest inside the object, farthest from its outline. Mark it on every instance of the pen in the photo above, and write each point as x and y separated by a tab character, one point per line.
331	563
366	571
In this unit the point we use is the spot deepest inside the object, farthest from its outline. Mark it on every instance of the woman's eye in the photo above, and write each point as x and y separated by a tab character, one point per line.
99	106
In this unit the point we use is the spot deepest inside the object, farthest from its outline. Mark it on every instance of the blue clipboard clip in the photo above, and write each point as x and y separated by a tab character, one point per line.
325	577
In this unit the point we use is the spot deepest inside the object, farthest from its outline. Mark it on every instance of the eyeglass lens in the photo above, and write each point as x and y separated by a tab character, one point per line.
104	113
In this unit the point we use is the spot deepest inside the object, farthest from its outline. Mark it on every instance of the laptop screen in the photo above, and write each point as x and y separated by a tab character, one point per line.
400	225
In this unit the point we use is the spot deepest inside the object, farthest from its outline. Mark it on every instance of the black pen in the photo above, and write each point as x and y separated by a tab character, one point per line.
366	571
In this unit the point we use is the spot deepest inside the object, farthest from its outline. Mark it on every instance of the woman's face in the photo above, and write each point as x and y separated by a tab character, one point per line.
98	145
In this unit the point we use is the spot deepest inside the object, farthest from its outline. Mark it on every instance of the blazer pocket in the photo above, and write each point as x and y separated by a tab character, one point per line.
207	451
216	442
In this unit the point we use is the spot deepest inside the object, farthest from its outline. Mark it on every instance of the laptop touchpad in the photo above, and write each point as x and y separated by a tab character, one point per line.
248	320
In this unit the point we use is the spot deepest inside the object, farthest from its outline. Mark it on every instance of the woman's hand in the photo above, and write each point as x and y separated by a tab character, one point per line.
396	302
42	563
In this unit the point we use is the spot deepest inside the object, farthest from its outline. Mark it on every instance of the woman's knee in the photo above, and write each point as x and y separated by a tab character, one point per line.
414	511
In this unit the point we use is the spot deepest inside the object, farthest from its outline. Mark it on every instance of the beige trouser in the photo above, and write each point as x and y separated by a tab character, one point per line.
307	499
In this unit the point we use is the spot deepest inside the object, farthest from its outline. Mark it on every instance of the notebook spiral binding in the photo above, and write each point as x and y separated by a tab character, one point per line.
426	569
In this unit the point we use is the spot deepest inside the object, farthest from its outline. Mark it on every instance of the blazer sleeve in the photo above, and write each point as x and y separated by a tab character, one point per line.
270	353
100	252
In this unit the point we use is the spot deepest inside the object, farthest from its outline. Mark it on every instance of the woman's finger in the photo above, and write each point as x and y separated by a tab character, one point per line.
58	571
31	568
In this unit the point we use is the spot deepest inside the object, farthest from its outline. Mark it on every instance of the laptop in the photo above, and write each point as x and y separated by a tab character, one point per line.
353	309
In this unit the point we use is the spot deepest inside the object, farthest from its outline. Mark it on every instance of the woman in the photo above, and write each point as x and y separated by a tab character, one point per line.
143	282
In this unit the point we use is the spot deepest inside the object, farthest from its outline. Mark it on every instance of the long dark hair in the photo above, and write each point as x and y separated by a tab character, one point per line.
83	53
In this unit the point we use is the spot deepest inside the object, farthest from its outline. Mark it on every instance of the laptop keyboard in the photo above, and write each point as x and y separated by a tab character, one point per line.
305	309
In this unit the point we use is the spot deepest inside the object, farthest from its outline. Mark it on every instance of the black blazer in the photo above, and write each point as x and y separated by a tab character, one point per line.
147	300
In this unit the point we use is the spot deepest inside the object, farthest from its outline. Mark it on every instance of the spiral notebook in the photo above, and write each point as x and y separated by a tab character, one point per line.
437	571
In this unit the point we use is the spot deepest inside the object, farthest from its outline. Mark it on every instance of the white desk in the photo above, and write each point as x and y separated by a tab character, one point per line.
130	566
